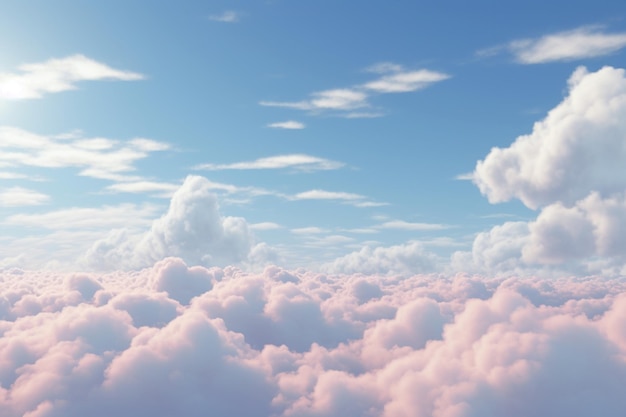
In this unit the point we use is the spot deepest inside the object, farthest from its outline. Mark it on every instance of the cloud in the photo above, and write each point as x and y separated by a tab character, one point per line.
164	189
326	195
405	82
356	200
192	229
229	16
106	217
308	344
580	43
338	99
290	125
95	157
409	258
402	225
56	75
300	162
265	226
571	169
576	149
18	196
395	79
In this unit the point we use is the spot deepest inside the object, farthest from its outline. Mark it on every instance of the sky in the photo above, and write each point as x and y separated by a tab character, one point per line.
340	207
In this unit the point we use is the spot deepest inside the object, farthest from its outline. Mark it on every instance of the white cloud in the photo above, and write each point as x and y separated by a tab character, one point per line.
326	195
56	75
578	148
404	82
164	189
19	196
103	218
300	162
337	99
355	200
96	157
265	226
192	229
395	79
406	259
403	225
229	16
289	124
308	230
580	43
571	167
594	226
4	175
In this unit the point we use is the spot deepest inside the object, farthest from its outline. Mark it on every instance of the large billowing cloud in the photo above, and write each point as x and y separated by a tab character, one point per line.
578	148
571	167
192	228
178	340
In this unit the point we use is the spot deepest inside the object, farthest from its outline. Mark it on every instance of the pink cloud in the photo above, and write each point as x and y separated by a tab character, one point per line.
179	340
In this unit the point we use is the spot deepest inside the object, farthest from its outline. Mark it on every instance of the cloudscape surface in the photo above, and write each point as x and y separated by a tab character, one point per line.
312	209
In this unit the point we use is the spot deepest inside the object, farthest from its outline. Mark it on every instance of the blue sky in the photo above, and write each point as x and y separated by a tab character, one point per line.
366	116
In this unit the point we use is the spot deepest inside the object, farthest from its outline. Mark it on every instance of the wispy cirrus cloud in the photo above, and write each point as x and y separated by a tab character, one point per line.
289	125
265	226
299	162
18	196
405	81
337	99
95	157
164	189
353	199
394	79
87	218
580	43
56	75
228	16
404	225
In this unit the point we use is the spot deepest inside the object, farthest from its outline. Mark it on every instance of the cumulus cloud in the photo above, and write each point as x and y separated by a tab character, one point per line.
56	75
19	196
192	229
406	259
308	344
394	79
299	162
576	149
289	124
571	168
580	43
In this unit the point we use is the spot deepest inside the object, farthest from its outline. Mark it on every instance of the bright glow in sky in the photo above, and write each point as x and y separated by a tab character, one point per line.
374	141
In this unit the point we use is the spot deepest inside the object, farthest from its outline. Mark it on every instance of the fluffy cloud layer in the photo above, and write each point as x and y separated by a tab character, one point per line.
175	340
